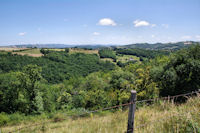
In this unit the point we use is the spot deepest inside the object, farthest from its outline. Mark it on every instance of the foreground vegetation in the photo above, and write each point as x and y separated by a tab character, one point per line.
61	81
158	117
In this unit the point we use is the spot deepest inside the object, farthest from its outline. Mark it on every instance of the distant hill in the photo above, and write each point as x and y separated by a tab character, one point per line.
155	46
42	46
93	46
161	46
89	46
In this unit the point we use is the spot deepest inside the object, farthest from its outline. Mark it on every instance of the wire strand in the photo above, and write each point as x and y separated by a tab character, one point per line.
109	108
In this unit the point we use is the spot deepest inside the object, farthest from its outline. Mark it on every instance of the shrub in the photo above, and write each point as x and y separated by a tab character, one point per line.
16	118
4	119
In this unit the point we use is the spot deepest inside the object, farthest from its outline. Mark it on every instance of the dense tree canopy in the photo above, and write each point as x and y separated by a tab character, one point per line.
83	81
142	52
57	66
107	53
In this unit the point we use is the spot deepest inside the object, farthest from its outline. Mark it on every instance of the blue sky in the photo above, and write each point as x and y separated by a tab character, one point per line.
98	21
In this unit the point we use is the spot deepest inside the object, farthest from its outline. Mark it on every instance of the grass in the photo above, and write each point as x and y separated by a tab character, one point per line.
126	58
10	49
30	52
107	59
36	52
78	50
55	49
160	117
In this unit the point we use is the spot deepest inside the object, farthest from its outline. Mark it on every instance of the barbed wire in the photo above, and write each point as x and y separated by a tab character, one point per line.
166	118
76	115
109	108
168	97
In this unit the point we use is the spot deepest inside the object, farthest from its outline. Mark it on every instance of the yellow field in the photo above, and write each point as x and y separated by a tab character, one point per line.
30	52
161	117
11	49
56	49
77	50
107	59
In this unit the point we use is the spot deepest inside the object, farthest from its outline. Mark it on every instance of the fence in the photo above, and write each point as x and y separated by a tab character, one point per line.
131	114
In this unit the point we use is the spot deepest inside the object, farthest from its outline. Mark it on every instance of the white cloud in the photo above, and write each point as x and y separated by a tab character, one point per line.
186	37
152	36
96	33
107	22
197	37
165	26
138	23
22	33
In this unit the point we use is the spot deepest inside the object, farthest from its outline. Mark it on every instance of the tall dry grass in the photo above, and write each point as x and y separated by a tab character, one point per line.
160	117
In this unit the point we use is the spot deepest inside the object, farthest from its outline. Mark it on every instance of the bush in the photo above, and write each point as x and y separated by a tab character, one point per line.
4	119
16	118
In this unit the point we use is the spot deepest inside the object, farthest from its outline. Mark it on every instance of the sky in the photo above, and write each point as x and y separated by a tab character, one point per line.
98	21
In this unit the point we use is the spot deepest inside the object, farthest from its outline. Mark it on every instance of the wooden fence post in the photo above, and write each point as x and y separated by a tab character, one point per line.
131	114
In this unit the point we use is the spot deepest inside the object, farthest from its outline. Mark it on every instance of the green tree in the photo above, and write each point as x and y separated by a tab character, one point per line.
29	79
12	97
181	73
67	50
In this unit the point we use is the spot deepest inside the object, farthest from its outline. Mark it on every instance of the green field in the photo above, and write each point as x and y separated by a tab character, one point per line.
126	58
30	52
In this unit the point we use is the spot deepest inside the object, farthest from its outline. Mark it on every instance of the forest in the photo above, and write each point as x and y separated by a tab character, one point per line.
61	81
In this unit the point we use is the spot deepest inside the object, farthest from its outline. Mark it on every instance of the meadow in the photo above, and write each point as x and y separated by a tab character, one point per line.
126	58
162	116
29	52
11	49
85	51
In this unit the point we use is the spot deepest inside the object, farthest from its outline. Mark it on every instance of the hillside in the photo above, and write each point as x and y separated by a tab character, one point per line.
89	46
91	66
158	117
72	81
155	46
161	46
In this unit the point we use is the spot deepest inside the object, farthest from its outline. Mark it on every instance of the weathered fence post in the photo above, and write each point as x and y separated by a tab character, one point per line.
132	107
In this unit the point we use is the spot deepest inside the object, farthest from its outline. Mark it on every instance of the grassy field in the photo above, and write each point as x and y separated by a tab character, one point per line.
77	50
126	58
36	52
161	117
11	49
55	49
107	59
30	52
